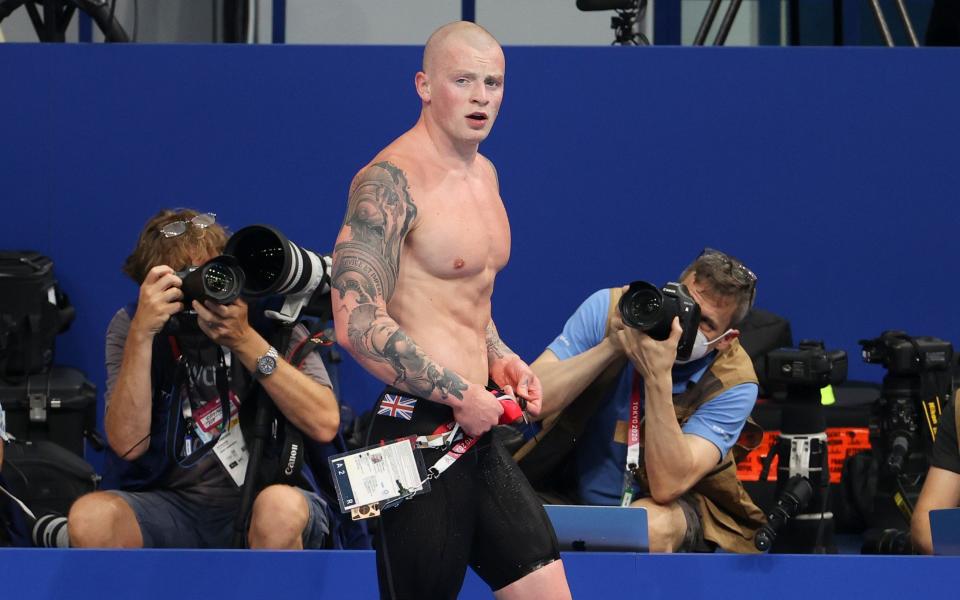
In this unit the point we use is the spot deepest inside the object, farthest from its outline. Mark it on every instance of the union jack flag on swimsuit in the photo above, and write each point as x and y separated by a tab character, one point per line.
395	405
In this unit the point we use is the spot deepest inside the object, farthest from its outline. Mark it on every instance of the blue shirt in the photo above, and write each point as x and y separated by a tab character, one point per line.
600	460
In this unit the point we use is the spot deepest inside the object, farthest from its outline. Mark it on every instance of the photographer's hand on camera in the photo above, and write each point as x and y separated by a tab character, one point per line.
307	404
159	299
127	419
478	411
225	324
653	359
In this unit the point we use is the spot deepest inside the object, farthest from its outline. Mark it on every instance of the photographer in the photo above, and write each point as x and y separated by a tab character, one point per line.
178	459
599	371
941	489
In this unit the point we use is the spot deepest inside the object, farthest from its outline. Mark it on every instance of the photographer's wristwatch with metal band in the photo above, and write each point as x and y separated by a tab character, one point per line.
267	363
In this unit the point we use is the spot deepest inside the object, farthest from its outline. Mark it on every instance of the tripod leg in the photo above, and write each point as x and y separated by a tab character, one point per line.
907	24
727	23
882	23
707	23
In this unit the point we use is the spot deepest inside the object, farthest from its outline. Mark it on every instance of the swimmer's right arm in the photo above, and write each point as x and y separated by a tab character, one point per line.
366	264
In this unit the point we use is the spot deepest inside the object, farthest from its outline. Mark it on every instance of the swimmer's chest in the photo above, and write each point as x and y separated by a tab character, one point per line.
459	235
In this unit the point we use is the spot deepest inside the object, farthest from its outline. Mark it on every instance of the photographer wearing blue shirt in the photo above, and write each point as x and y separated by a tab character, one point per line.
647	429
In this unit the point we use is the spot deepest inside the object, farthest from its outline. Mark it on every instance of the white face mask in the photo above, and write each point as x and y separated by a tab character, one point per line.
701	346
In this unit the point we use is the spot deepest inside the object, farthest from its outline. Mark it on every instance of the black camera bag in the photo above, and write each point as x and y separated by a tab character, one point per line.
46	477
33	310
760	332
59	406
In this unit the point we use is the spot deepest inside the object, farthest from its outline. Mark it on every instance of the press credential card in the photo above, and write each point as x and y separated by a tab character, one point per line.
375	474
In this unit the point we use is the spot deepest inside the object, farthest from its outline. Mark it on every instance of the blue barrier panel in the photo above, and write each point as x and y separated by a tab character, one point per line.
163	574
830	171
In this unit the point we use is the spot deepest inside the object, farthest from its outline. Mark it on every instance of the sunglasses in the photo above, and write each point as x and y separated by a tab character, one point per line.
201	221
740	272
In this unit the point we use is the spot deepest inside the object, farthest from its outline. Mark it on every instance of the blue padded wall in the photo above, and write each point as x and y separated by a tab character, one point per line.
43	574
831	172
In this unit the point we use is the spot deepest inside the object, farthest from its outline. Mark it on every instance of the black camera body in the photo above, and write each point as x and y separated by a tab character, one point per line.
650	309
809	365
901	354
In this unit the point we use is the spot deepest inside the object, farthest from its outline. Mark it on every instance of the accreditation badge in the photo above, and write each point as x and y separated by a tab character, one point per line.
371	478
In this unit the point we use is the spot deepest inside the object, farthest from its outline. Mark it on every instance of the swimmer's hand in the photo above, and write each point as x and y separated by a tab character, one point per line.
478	412
513	374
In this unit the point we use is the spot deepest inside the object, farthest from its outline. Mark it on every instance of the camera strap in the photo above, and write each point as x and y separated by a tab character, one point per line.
633	439
195	446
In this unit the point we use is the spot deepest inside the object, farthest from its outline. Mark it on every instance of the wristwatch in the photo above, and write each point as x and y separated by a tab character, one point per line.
267	363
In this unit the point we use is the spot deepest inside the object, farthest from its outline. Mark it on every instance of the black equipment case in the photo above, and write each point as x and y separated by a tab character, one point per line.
33	310
59	406
46	477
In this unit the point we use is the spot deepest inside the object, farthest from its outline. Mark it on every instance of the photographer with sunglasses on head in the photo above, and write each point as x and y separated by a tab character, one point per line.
625	423
177	374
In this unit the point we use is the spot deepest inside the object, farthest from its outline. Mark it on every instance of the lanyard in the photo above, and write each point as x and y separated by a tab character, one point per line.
633	439
443	436
448	435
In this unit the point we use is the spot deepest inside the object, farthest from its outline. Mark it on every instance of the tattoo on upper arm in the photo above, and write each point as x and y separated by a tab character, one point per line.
379	215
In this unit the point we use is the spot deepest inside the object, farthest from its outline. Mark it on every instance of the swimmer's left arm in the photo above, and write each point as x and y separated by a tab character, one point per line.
508	369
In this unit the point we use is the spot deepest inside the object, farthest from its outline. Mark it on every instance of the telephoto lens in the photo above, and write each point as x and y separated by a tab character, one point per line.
50	531
273	264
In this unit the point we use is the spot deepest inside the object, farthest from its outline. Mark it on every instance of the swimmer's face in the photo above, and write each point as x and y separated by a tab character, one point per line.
464	88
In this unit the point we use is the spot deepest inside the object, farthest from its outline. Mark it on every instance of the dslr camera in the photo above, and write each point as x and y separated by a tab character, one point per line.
650	309
258	262
809	365
901	354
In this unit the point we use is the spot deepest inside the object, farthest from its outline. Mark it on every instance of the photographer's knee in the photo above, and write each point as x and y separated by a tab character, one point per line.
280	514
103	520
666	525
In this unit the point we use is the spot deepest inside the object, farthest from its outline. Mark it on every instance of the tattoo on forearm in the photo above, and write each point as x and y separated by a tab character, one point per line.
495	346
379	215
373	335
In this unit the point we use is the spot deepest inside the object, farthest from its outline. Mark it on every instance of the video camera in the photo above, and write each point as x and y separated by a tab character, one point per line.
803	477
651	310
259	261
903	426
918	381
809	365
901	354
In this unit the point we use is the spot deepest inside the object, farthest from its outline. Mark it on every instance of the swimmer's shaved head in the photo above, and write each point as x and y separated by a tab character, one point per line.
463	32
